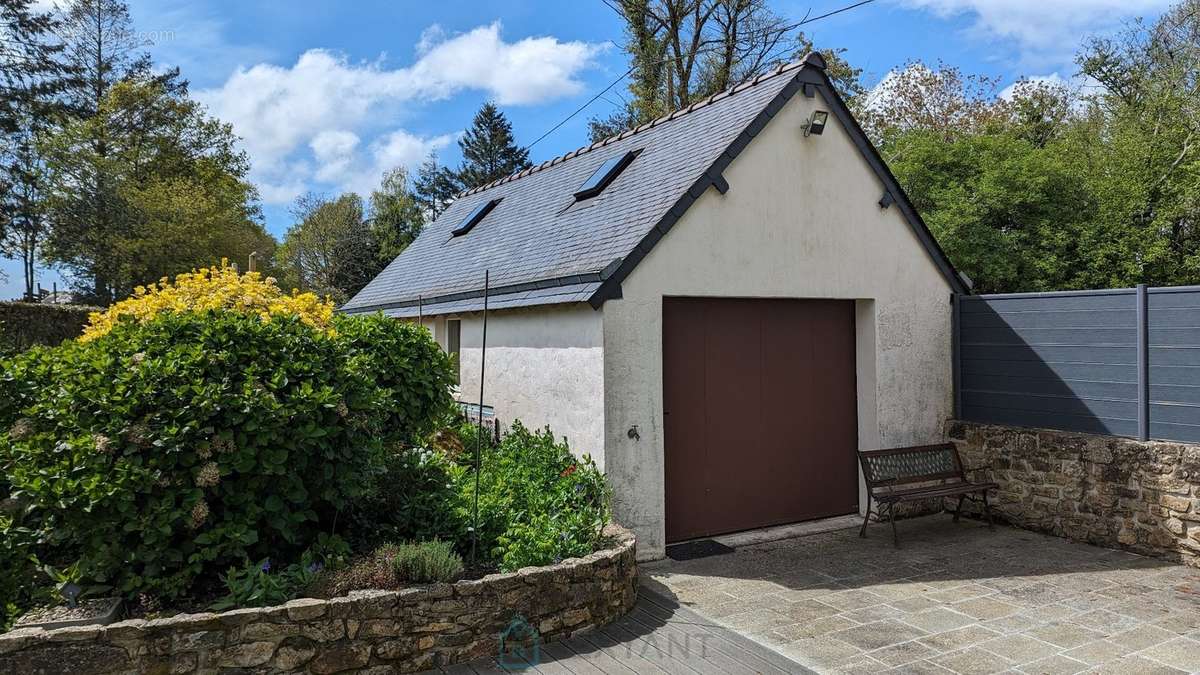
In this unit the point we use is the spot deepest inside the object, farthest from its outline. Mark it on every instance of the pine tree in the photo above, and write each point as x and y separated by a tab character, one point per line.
435	186
31	78
489	152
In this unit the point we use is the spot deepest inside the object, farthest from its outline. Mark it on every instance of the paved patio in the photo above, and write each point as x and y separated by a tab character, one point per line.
953	598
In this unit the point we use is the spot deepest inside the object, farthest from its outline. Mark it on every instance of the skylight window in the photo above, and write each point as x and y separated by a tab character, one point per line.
604	175
474	217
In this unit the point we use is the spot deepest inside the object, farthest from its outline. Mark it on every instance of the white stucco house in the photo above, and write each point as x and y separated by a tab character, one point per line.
721	307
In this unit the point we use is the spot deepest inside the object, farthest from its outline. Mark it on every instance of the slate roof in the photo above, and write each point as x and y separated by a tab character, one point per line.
539	246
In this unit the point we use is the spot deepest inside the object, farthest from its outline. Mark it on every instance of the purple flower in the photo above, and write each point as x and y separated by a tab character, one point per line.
266	565
314	567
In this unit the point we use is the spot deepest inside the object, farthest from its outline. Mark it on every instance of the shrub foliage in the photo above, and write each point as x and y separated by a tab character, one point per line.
180	443
538	503
427	562
25	324
216	431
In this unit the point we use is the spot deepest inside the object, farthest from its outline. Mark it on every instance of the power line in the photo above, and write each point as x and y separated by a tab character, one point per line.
784	29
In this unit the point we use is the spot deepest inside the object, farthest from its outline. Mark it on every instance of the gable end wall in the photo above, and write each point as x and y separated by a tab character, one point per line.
800	220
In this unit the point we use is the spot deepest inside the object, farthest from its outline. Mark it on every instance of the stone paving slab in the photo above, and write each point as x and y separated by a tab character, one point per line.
955	598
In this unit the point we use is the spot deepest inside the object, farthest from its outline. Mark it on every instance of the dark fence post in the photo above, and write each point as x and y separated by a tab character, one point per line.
1143	364
956	351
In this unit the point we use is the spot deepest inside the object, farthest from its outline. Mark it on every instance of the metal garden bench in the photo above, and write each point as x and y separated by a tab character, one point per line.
912	474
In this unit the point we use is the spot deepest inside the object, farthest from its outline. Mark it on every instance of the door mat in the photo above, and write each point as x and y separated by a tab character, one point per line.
701	548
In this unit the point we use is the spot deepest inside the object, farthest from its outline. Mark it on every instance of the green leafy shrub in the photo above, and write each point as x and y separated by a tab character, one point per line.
427	562
412	371
168	450
538	503
25	324
410	495
20	569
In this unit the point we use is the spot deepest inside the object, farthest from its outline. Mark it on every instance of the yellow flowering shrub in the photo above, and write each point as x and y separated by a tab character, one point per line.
213	288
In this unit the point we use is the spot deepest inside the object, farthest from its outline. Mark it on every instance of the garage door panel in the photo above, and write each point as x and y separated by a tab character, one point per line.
733	388
683	329
777	415
786	360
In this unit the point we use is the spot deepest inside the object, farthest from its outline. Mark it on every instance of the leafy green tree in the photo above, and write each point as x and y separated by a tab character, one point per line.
1142	130
396	216
489	150
147	187
331	250
31	73
1007	212
101	50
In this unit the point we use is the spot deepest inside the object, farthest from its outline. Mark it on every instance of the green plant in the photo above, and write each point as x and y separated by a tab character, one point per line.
538	503
165	451
411	370
427	562
259	584
410	495
20	567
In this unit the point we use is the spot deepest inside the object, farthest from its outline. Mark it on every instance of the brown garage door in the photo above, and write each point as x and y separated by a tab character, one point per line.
759	414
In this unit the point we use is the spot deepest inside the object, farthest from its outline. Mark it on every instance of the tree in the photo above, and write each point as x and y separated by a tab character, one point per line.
102	49
162	192
939	99
396	217
330	250
30	79
1144	130
435	186
30	71
682	51
488	149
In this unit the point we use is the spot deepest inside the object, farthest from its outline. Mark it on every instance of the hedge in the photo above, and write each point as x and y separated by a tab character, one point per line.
25	324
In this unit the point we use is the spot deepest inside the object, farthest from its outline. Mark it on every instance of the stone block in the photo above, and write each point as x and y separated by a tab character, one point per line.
246	655
341	657
306	609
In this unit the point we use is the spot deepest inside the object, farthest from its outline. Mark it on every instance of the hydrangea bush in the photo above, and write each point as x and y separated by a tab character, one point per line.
193	431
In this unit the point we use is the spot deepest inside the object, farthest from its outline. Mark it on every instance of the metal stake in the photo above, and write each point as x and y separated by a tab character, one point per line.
479	435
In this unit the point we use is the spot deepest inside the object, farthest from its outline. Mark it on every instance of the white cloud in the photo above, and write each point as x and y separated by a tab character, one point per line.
398	148
321	107
1051	27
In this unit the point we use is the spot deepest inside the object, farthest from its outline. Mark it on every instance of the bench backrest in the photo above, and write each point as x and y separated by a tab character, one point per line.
918	464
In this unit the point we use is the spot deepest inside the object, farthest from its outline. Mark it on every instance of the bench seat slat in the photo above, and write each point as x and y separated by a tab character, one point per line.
948	490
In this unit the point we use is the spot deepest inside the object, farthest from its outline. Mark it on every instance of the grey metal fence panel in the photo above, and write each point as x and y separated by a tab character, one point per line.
1124	362
1053	360
1173	315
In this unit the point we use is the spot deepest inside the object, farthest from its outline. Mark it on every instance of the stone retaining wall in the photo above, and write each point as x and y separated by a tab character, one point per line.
371	631
1116	492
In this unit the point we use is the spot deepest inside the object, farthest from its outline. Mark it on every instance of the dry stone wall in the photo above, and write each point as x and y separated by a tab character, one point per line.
371	631
1116	492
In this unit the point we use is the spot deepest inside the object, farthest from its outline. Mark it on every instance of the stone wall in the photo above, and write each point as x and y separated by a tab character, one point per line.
371	631
1116	492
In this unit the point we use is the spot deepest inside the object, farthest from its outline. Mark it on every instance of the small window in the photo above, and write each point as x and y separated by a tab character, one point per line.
454	345
474	217
604	175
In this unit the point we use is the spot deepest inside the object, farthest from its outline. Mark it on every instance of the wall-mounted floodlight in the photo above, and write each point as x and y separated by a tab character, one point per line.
816	124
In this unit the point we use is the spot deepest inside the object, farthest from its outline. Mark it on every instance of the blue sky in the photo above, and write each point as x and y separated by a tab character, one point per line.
327	94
